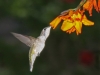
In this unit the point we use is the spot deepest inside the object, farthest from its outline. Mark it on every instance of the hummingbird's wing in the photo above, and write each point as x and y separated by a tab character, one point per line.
28	40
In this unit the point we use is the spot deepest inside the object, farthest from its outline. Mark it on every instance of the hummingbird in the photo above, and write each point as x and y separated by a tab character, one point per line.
36	44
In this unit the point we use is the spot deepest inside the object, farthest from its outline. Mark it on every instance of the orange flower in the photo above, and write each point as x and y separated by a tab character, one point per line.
90	4
75	23
72	22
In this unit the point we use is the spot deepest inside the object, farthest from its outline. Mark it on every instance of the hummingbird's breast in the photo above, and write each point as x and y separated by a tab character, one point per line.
39	46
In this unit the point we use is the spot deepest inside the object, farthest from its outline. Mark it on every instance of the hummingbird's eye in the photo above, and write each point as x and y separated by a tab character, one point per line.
44	28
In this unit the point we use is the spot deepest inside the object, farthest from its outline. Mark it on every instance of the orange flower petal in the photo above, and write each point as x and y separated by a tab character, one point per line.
71	12
67	24
90	9
78	26
73	29
68	31
55	22
95	5
99	5
77	32
79	16
87	22
86	5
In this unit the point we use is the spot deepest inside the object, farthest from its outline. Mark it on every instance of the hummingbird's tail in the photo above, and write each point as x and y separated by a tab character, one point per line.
31	62
31	68
32	57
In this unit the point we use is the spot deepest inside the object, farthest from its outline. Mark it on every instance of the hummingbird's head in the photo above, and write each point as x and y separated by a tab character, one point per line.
46	31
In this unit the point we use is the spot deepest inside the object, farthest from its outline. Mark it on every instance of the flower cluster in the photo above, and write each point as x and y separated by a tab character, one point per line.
74	18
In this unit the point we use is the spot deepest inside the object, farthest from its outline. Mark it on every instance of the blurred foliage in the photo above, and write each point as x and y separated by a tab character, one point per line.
60	56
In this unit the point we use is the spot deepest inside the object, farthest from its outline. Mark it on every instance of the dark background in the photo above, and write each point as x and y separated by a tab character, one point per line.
64	54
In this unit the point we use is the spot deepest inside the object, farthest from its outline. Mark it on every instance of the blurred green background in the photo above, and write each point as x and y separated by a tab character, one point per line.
64	54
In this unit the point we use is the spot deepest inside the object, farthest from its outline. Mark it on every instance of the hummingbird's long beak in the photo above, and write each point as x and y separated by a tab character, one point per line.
48	28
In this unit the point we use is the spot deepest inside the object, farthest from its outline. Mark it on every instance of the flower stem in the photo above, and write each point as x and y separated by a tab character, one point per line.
75	9
81	4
